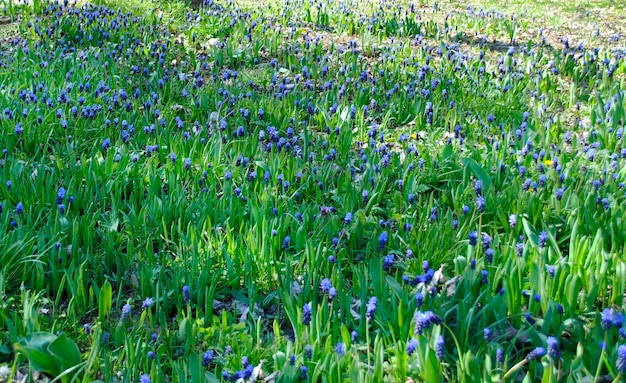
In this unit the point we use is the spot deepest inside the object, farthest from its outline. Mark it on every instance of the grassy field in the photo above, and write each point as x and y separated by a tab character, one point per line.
312	191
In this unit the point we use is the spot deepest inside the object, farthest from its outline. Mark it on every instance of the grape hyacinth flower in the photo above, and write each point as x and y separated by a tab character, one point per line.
286	242
537	353
306	314
473	238
606	319
371	308
500	356
484	274
513	221
186	294
388	262
348	218
553	348
543	238
419	298
424	320
325	285
19	208
382	240
440	347
487	333
148	302
411	346
620	363
340	349
126	310
145	378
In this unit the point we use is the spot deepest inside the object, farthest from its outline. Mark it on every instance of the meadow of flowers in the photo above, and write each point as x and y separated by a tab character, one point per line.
309	191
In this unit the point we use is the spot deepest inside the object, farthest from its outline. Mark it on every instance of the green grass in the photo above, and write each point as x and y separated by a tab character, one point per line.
312	191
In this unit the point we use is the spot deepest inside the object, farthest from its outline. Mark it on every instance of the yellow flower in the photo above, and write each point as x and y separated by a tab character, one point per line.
414	136
548	162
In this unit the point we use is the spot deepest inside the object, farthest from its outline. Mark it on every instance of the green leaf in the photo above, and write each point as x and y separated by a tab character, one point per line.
105	301
66	351
50	353
479	172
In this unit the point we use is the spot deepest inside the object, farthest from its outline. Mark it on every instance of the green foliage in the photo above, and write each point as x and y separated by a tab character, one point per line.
58	356
198	194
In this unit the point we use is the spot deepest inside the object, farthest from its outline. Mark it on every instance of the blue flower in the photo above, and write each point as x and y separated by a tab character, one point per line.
354	336
489	255
419	297
473	238
303	372
411	346
126	310
371	308
382	240
424	320
388	261
186	293
325	285
606	318
286	242
440	345
543	238
536	353
487	333
553	347
207	357
499	356
148	302
19	208
480	203
478	187
145	378
484	277
306	314
621	359
348	218
513	221
340	349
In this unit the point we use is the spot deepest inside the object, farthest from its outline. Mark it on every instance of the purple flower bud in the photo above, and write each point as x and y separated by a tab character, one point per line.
371	308
440	347
536	353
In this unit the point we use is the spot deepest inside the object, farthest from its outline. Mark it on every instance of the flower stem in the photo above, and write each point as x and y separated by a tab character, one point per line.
513	369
